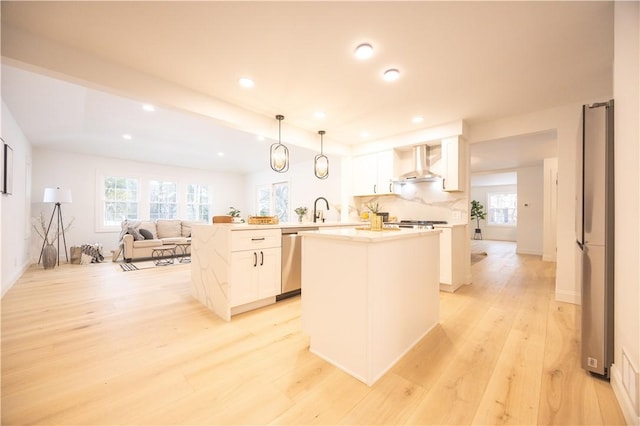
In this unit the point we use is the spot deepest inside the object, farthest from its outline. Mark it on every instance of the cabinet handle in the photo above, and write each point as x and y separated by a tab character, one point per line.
255	259
390	186
257	239
261	258
443	185
375	189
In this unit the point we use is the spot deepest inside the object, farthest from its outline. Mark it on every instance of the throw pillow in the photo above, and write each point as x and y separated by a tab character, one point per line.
146	234
136	234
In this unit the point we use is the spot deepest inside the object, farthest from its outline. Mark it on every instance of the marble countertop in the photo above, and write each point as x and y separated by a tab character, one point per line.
450	225
369	236
286	225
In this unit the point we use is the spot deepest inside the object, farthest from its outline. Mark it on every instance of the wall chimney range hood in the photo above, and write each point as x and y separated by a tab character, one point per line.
421	168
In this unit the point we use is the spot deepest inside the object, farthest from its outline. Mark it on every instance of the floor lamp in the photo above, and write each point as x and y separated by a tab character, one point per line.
58	196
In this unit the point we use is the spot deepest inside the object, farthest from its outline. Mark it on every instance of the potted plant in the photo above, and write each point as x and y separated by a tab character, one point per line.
300	211
235	214
477	213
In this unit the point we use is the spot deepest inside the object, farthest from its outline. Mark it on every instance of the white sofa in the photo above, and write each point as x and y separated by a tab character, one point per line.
163	231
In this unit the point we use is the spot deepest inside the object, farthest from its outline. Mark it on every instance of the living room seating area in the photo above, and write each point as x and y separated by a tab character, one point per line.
139	238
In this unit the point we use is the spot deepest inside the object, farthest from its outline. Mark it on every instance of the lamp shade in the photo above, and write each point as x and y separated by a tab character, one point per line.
57	195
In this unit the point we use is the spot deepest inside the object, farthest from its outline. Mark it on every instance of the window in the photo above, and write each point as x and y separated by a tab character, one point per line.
163	200
198	203
502	208
273	200
120	200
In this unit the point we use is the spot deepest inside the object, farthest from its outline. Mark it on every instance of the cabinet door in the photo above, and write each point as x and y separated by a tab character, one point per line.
269	272
365	174
451	155
243	281
384	182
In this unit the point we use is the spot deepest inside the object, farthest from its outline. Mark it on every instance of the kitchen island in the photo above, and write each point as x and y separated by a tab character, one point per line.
369	296
237	267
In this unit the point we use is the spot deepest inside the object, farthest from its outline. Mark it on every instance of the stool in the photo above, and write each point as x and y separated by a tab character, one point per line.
163	255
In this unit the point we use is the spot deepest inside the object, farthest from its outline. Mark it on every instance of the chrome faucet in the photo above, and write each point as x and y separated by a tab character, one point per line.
318	215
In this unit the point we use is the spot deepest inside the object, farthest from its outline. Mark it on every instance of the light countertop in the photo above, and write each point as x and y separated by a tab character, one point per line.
285	225
368	236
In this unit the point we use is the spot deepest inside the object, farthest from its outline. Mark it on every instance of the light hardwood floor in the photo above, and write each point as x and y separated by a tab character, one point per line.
93	345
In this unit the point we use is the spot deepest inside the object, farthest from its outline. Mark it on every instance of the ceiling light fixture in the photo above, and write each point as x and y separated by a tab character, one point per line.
320	114
417	119
279	154
391	74
364	51
148	107
246	82
321	162
127	136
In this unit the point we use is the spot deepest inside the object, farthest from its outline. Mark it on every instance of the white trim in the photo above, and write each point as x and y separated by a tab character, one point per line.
630	415
568	297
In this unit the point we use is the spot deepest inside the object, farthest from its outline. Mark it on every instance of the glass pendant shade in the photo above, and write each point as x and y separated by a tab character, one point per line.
321	162
279	154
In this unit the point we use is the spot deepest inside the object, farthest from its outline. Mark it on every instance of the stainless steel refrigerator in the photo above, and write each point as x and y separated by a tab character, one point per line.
595	232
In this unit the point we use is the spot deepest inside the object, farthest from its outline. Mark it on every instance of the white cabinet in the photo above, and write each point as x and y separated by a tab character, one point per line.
373	173
453	165
255	266
454	257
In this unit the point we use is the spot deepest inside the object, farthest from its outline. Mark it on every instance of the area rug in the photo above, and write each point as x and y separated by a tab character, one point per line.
477	257
136	266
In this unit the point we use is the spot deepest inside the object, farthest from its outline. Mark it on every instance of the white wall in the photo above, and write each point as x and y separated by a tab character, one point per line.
627	205
530	210
304	188
499	233
15	208
79	172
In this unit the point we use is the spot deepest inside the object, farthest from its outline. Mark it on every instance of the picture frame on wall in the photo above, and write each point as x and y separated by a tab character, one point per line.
7	168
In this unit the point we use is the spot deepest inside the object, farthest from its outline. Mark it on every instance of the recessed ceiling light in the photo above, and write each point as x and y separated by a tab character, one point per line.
364	51
221	154
364	134
417	119
127	136
246	82
319	114
260	137
148	107
391	74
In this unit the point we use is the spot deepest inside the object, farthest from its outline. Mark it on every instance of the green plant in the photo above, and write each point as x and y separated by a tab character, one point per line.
301	211
233	212
477	212
373	207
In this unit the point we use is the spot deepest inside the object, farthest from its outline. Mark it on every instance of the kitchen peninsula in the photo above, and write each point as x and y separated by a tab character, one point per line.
237	267
369	296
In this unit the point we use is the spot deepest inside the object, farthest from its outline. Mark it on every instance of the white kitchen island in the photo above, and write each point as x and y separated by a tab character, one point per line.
369	296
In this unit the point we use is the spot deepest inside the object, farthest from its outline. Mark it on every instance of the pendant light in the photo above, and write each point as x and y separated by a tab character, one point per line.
321	162
279	155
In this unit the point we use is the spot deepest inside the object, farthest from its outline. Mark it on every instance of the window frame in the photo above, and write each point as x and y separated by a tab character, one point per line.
514	214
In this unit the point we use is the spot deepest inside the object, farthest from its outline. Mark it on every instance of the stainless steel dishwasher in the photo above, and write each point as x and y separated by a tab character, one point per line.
291	252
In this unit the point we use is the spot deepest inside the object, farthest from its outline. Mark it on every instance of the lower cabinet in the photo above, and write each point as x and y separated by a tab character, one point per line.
255	275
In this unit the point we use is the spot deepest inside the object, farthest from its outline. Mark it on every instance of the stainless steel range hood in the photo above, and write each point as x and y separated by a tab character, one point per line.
421	170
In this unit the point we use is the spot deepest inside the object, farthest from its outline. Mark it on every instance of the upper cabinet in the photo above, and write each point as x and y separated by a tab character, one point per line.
373	173
453	166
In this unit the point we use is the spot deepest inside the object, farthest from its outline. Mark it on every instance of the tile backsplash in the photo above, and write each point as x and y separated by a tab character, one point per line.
418	201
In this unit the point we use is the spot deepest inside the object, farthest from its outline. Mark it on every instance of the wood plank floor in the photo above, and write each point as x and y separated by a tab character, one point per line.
93	345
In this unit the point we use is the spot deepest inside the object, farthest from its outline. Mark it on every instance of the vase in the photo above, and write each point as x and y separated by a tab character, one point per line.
49	256
300	218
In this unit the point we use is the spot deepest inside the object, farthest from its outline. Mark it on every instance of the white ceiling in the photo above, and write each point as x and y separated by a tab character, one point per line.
471	61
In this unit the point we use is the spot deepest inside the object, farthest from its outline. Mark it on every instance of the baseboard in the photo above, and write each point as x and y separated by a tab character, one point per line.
14	279
529	251
568	297
630	415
